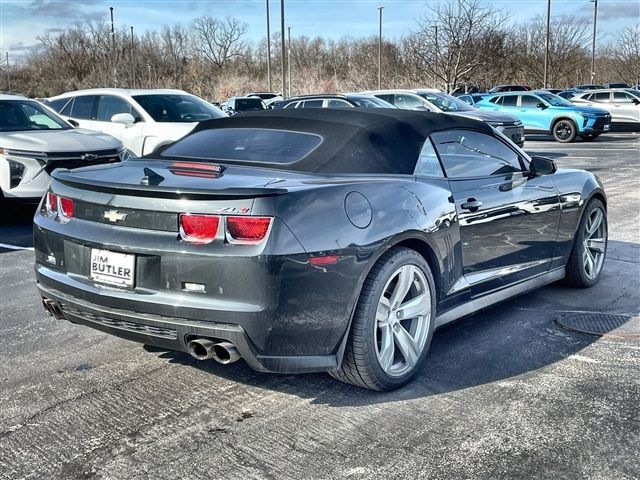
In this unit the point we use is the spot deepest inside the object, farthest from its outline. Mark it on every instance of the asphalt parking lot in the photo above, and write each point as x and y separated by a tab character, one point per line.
506	393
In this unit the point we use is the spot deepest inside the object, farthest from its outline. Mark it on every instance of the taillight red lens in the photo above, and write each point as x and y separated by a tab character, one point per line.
66	207
198	228
52	202
248	229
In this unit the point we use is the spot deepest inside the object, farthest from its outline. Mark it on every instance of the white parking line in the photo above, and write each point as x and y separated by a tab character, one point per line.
14	247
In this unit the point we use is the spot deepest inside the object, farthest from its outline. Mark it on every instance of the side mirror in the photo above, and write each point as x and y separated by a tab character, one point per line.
125	119
541	105
636	101
73	123
542	166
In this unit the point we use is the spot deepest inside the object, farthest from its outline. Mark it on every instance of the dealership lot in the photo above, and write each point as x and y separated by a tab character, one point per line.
506	393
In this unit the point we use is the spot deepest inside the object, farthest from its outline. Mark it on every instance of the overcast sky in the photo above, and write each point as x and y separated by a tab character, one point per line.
23	20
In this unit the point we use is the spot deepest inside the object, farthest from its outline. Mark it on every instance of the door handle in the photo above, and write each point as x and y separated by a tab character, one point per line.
471	204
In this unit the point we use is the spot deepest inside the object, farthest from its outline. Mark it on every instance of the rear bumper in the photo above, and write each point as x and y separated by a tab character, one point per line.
515	133
173	333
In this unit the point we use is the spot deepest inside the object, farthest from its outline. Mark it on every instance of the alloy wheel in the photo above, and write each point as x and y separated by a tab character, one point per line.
563	131
402	321
595	243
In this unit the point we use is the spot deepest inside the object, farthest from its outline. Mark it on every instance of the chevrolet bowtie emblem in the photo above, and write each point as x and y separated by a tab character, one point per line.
114	216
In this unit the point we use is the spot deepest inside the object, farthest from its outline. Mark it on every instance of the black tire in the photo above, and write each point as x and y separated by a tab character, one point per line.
360	365
589	137
564	131
576	274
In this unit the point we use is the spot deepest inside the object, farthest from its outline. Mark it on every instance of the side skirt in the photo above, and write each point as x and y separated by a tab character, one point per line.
496	297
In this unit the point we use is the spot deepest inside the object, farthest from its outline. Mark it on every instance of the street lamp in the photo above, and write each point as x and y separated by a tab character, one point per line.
133	61
282	57
380	49
8	72
268	49
593	45
546	48
289	58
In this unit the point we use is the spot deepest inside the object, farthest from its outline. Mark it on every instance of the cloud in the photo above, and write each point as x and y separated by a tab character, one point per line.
618	10
73	10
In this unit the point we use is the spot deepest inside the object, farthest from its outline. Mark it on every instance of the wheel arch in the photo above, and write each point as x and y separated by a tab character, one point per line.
564	117
413	240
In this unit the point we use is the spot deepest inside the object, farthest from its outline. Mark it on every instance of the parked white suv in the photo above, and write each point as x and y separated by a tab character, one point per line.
34	141
622	103
142	119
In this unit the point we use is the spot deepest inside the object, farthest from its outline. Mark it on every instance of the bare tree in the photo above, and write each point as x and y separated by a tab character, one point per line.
219	40
454	41
626	52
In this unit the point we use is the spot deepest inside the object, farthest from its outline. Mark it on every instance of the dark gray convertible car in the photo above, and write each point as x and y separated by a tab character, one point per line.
314	240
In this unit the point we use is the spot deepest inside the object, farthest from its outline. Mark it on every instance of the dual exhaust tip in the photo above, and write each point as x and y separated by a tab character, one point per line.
53	309
200	348
221	352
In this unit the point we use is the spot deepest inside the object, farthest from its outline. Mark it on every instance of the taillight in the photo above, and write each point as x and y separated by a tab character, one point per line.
248	230
66	207
198	228
52	203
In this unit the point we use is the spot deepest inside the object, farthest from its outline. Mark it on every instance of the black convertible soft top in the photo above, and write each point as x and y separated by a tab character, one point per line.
359	140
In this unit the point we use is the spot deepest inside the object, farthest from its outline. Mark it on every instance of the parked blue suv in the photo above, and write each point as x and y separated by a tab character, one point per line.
544	112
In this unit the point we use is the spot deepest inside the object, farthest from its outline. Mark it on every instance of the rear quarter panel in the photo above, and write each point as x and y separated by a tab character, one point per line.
575	188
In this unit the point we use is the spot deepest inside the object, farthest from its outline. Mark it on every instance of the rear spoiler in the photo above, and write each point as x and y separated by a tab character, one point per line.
65	177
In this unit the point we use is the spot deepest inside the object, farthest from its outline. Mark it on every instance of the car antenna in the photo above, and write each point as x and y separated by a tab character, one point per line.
151	177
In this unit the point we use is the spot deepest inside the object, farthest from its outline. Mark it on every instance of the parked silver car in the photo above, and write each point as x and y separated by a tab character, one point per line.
622	103
34	141
436	101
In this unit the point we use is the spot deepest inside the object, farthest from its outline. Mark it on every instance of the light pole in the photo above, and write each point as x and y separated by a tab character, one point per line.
380	49
435	62
6	54
113	47
133	61
593	45
289	58
268	49
282	57
546	47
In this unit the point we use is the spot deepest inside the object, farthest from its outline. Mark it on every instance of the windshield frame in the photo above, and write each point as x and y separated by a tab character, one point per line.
42	109
443	97
377	102
184	96
559	101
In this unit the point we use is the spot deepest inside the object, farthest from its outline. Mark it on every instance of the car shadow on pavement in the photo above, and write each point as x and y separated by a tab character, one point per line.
513	339
16	224
603	138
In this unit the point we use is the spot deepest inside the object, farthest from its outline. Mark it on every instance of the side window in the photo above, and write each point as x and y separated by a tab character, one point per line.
529	101
291	105
602	97
466	99
313	103
509	100
496	100
621	97
428	164
465	153
387	98
83	107
109	105
67	108
407	102
58	105
335	103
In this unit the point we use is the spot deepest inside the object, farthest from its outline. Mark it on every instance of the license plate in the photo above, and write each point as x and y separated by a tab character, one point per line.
112	268
606	127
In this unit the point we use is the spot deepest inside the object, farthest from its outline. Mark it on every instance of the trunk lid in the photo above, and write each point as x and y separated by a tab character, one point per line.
180	179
